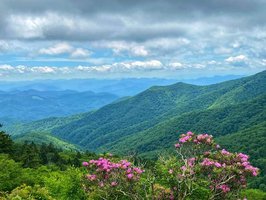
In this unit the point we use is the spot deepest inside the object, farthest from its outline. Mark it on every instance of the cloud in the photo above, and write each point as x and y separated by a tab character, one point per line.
60	48
4	46
65	48
114	34
236	59
176	65
80	53
123	47
125	67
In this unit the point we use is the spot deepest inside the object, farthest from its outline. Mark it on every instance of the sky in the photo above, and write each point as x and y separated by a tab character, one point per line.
55	39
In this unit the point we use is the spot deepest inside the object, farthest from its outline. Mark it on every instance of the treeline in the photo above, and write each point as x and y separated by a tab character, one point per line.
32	155
31	171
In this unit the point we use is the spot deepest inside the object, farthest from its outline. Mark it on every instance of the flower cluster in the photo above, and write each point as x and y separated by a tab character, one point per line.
204	139
225	188
208	162
196	139
243	161
105	171
225	171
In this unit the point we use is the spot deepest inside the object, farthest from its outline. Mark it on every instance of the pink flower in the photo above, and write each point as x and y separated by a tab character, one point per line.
91	177
184	168
130	176
225	188
101	184
114	184
177	145
191	162
170	171
184	139
218	165
224	152
138	170
190	133
85	164
207	162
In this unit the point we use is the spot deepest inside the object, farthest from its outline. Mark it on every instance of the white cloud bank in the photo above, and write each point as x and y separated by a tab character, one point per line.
240	58
65	48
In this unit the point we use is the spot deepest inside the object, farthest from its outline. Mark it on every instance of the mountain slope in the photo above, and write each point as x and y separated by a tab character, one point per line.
42	137
215	121
115	122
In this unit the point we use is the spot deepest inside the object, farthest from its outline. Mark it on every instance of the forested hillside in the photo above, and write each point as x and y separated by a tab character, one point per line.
148	123
158	105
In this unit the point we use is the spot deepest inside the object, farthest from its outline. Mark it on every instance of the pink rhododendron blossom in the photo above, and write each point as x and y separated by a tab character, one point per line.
218	165
114	184
225	188
130	176
91	177
177	145
224	152
85	164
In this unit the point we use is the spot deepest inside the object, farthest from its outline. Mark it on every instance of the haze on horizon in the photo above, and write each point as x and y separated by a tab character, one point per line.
49	39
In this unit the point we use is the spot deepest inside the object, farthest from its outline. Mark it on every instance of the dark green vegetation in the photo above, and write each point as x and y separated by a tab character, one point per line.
33	104
30	171
33	171
252	141
151	121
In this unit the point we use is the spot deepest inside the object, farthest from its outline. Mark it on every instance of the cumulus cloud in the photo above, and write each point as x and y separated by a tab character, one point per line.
80	53
227	32
236	59
115	67
176	65
60	48
65	48
123	47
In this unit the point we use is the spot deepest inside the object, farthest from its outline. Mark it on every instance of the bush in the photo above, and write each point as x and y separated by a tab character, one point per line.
200	170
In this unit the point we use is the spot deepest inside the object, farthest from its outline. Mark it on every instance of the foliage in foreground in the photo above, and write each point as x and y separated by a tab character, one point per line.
199	170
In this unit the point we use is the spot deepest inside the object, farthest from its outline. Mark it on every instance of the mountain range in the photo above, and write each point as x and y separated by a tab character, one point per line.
33	105
120	87
151	121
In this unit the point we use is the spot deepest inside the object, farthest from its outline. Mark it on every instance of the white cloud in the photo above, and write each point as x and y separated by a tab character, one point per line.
65	48
212	62
59	48
122	47
176	65
43	70
139	51
236	59
80	53
6	68
125	67
4	46
114	68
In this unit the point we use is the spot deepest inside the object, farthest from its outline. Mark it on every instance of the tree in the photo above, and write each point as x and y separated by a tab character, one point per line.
6	143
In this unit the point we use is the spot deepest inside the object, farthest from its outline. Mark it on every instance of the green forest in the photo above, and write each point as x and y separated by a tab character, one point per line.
32	171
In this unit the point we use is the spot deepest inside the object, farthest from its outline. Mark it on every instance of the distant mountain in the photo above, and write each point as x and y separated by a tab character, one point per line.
34	105
152	120
120	87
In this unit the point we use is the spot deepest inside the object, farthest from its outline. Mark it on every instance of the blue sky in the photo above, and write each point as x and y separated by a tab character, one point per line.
123	38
